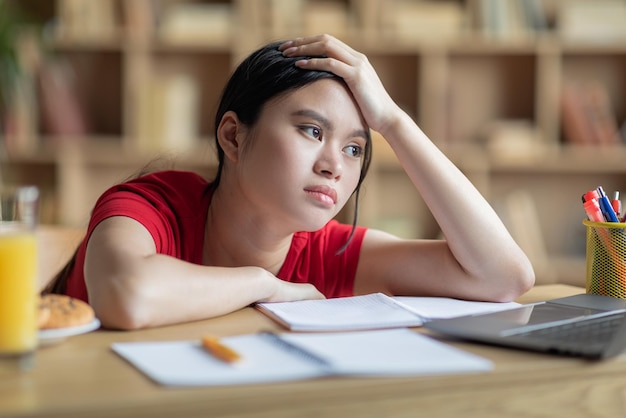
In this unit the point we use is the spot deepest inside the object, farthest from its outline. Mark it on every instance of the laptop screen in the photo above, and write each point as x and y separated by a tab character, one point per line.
540	314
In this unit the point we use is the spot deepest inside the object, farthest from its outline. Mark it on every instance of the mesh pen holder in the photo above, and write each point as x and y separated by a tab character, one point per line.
606	258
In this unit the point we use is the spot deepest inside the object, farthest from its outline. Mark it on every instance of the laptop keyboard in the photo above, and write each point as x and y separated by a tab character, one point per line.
578	338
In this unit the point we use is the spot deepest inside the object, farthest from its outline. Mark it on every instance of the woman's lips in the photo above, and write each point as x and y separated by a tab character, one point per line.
323	194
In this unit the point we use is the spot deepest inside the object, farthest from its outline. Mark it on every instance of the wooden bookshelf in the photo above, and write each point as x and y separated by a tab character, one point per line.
488	92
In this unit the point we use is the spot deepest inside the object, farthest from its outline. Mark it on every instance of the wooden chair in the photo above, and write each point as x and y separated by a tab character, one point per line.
57	244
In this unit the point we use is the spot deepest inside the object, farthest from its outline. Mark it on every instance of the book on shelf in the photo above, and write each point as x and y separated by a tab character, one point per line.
601	114
325	17
285	18
21	121
87	19
62	114
20	134
513	140
196	23
367	15
510	19
372	311
587	115
535	15
423	20
598	21
169	112
576	127
270	357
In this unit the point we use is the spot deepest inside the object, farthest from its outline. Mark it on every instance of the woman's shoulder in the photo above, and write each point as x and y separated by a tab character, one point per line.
169	182
160	188
171	177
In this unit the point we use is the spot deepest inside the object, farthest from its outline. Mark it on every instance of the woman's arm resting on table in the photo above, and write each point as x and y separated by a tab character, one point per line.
478	260
130	286
430	268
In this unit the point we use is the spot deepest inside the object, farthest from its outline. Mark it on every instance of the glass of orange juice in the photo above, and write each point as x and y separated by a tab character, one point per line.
18	277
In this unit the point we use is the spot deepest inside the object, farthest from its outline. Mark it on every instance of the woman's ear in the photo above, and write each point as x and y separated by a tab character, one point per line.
228	135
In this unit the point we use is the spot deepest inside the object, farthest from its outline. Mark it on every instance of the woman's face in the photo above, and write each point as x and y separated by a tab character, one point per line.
301	161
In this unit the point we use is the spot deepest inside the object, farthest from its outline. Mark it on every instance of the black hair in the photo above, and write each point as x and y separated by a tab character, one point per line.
262	76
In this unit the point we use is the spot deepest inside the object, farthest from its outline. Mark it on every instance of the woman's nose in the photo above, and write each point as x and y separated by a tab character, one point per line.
329	163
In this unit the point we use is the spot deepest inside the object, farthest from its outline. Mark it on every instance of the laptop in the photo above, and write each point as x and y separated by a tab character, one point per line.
586	325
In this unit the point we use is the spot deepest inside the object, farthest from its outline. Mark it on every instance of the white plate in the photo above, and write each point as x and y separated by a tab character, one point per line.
56	335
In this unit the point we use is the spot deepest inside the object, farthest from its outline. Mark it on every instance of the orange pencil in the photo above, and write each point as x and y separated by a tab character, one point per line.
219	350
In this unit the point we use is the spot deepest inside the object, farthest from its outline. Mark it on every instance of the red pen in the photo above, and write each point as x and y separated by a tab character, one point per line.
616	204
590	195
594	213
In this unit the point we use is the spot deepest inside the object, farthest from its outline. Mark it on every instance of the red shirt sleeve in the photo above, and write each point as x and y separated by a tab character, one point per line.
171	205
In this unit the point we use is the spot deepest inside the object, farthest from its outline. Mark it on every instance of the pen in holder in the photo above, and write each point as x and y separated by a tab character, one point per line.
606	258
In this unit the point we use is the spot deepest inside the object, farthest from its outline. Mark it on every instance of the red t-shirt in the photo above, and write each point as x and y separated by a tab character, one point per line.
172	205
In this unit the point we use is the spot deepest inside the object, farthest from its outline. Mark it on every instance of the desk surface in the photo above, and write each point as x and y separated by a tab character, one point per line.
82	377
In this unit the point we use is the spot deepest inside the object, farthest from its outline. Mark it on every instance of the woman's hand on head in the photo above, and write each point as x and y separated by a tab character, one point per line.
332	55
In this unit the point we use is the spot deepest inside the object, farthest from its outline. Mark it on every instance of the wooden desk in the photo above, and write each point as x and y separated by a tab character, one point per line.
82	377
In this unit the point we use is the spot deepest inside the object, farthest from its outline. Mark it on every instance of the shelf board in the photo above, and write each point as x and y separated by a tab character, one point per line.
38	157
110	154
593	48
481	45
224	47
106	151
558	160
467	44
113	43
564	160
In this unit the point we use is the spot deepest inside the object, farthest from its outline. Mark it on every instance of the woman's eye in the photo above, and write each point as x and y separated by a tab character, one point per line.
312	131
354	151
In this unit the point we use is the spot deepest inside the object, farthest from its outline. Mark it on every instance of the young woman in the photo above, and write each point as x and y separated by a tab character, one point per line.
292	133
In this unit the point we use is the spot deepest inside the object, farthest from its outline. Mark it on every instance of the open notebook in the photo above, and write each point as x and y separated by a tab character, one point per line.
269	357
373	311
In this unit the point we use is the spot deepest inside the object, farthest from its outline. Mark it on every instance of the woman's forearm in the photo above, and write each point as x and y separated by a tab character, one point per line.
160	290
473	230
165	290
